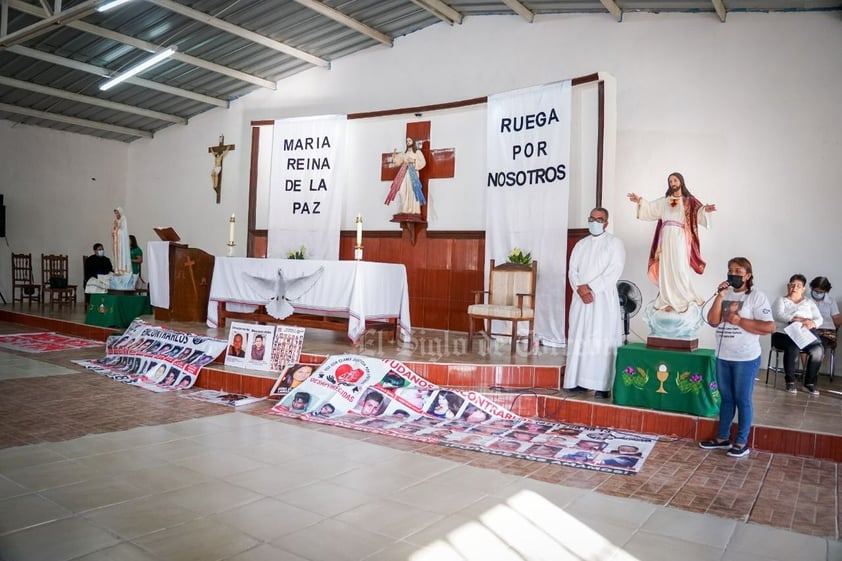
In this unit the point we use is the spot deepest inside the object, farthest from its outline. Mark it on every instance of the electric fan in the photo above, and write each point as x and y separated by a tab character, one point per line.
630	300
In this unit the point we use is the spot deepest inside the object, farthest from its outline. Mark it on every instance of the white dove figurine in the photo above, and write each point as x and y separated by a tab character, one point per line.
285	291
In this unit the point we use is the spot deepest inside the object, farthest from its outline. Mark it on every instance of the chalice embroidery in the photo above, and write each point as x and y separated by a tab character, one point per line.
662	375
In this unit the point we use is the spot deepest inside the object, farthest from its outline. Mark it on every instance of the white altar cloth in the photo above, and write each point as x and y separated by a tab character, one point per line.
359	290
158	264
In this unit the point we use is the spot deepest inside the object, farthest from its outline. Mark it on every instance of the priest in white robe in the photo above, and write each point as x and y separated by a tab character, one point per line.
595	331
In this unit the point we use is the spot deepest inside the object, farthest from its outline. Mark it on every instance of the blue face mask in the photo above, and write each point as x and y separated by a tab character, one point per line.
595	228
817	295
100	252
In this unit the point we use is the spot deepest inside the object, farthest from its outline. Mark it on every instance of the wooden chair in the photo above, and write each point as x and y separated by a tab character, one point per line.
23	282
54	281
511	297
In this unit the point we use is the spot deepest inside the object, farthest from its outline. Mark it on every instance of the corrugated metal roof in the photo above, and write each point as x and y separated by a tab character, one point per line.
226	49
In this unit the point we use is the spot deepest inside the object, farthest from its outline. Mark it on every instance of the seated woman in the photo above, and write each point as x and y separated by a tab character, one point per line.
831	318
795	307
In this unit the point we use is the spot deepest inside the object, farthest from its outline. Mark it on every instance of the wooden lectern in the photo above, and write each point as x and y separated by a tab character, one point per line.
190	274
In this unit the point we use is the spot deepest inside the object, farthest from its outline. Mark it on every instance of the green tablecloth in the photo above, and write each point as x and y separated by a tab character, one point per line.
667	380
116	310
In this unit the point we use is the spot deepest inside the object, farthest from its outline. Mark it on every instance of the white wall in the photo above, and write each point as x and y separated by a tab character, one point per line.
60	193
747	110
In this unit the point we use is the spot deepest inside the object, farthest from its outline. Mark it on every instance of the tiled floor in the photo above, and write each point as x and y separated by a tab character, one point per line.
92	469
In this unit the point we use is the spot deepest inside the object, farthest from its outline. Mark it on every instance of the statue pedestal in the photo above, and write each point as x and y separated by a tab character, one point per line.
673	331
410	222
668	344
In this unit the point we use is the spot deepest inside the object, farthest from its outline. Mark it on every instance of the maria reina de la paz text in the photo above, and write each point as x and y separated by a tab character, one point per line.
527	151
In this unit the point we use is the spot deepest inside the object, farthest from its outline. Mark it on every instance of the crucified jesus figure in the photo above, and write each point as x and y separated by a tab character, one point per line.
218	152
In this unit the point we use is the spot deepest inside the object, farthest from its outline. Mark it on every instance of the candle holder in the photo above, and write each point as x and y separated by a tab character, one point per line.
358	248
231	223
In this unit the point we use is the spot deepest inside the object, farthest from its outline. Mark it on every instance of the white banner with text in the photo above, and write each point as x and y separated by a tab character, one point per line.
305	198
527	187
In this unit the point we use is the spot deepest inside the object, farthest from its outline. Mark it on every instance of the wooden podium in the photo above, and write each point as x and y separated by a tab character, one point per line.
190	274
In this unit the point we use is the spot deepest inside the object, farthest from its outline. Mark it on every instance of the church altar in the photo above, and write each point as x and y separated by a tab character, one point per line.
679	381
363	292
116	310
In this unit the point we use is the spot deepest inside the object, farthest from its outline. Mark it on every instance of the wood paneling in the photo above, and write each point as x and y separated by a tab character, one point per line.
443	269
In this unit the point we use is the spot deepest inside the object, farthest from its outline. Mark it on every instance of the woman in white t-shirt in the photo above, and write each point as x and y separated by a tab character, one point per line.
740	315
831	318
795	308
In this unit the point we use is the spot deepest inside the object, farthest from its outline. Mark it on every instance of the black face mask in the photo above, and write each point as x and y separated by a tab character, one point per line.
735	280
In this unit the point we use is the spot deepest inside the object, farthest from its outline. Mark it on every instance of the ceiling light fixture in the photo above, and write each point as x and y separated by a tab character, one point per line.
105	6
137	69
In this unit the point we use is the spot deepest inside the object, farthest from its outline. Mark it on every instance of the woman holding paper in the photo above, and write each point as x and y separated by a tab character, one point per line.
800	316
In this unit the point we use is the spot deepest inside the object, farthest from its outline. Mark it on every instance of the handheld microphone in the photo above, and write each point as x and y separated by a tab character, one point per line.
733	280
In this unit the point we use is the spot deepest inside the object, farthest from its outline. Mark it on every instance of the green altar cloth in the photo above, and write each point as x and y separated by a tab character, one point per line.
667	380
116	310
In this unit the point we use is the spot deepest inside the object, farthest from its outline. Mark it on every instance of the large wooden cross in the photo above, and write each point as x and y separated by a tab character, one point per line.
441	164
218	152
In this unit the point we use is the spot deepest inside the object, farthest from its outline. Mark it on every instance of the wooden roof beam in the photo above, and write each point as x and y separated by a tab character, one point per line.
520	10
73	121
613	9
441	10
240	32
347	21
33	10
719	6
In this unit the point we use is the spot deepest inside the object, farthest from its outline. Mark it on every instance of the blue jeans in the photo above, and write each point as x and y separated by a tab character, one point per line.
736	386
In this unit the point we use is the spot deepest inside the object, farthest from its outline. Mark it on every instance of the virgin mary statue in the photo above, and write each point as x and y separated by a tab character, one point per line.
120	238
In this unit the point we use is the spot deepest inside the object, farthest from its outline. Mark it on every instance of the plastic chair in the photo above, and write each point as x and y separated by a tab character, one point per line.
511	297
23	282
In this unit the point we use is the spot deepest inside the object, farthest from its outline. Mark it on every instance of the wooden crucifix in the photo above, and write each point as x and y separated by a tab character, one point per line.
218	152
439	163
188	265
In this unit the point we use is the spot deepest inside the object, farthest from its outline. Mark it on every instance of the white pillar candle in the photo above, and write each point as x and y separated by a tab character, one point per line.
231	223
359	230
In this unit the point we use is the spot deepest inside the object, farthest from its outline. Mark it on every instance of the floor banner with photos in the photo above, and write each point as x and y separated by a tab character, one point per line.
387	397
291	378
43	342
155	358
263	347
